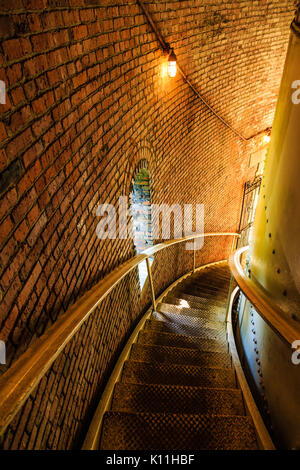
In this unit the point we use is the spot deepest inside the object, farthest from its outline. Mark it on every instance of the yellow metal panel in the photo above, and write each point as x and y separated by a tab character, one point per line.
275	253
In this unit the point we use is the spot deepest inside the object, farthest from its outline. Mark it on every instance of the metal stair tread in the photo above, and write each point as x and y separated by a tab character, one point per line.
174	431
209	291
185	329
196	296
176	398
200	303
176	317
165	307
177	355
178	374
181	341
213	290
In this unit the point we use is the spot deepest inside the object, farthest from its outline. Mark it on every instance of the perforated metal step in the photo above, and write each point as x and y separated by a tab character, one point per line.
186	329
188	320
213	314
198	291
166	431
196	297
148	353
209	292
181	341
191	301
221	288
176	399
178	374
210	280
212	275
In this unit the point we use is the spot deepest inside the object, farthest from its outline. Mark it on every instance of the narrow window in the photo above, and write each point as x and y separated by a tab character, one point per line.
141	215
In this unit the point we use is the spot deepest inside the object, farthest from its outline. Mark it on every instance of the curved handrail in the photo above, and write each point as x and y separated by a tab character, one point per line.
17	383
287	328
263	437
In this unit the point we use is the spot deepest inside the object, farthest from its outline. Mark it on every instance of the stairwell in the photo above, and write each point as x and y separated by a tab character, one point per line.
178	390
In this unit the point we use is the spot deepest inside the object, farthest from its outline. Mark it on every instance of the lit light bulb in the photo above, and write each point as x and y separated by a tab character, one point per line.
172	66
267	138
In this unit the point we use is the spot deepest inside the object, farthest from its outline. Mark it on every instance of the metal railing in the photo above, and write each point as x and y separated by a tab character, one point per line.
18	382
285	327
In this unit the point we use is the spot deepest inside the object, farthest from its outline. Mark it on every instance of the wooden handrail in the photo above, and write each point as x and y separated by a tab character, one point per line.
18	382
263	437
284	326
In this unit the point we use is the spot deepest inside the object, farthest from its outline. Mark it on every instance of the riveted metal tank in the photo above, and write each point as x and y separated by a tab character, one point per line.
275	250
274	260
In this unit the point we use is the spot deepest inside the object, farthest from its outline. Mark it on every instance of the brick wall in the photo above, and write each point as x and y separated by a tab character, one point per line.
87	99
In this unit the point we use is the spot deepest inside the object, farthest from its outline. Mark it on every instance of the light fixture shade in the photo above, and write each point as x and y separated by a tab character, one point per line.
172	65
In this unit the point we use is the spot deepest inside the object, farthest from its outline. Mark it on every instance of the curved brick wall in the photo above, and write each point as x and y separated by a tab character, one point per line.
87	99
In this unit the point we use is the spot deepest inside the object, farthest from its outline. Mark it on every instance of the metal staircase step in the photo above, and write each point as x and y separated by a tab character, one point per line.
199	291
213	314
217	273
191	301
211	279
208	281
181	341
210	289
193	321
160	398
178	374
198	296
188	329
168	431
215	297
168	354
206	289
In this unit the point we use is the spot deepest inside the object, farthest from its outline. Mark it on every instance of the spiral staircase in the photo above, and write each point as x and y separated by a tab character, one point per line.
178	389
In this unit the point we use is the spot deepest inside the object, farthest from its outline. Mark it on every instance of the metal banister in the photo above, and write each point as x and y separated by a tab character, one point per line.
18	382
285	327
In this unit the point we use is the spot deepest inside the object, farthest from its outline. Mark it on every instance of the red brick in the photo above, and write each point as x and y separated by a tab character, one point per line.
33	153
12	48
8	201
3	133
21	232
42	42
5	229
79	32
18	144
28	287
9	323
33	215
17	96
14	74
24	205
